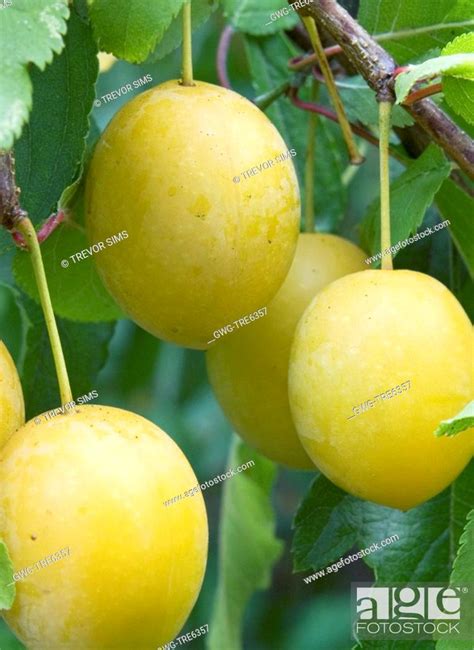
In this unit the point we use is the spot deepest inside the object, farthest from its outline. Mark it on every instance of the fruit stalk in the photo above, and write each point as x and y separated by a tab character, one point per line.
187	46
309	165
26	228
310	24
385	110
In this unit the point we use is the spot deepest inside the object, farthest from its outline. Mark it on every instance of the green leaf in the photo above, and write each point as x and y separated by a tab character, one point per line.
330	522
7	640
323	526
458	207
268	59
77	292
32	32
35	28
409	28
7	590
200	12
458	65
461	45
463	569
248	546
460	422
459	93
50	151
410	195
85	349
462	501
260	17
463	574
361	105
131	29
15	102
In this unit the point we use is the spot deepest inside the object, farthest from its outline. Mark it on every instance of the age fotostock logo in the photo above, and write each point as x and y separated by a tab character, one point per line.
412	612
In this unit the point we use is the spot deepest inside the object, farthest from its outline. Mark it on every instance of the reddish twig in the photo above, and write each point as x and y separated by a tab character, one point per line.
300	62
48	227
421	93
330	115
222	55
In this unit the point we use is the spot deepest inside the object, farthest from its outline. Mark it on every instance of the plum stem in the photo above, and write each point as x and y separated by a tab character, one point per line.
354	155
385	110
309	164
26	228
187	46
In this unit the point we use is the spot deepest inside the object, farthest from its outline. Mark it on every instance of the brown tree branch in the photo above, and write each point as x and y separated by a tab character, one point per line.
10	210
377	67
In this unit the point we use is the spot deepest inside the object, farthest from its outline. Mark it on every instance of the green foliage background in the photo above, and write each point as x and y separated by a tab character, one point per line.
251	597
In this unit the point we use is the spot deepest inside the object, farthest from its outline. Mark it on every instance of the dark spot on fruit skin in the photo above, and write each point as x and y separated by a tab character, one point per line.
33	537
269	241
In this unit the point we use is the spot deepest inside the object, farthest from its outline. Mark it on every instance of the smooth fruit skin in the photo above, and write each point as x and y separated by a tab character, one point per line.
248	369
95	480
365	334
202	250
12	406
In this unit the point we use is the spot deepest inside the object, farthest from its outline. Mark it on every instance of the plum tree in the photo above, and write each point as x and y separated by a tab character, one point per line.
203	184
359	340
248	369
96	480
12	408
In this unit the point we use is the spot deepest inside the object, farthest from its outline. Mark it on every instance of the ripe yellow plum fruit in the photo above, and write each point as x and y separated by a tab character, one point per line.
95	480
206	189
12	407
379	358
248	369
